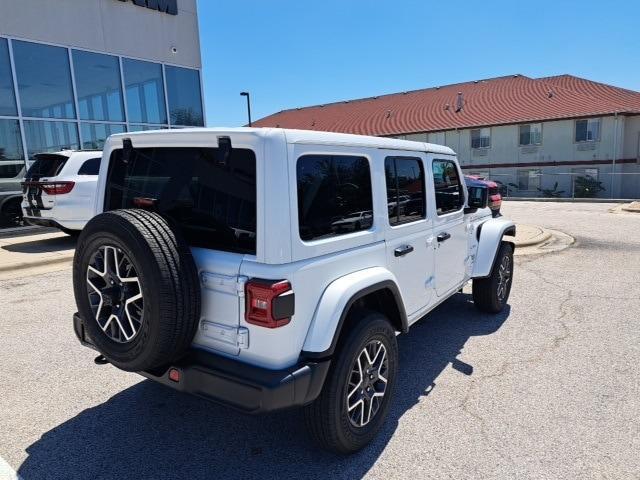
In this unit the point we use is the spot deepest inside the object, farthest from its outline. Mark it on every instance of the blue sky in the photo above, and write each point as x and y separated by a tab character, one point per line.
294	53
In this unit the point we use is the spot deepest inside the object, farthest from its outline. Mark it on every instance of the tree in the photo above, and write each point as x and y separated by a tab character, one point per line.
587	187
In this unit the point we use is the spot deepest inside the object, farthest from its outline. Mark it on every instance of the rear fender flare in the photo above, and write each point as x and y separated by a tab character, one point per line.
335	302
490	237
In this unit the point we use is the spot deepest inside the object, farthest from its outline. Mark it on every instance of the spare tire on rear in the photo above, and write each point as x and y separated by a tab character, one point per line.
136	287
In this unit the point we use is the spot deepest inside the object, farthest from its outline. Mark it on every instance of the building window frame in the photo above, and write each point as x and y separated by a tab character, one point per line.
588	120
127	123
484	141
530	144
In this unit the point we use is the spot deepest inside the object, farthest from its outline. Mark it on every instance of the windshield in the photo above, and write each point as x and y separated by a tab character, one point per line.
211	197
46	165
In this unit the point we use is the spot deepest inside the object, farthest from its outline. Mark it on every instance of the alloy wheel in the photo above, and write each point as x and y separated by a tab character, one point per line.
115	294
504	277
367	384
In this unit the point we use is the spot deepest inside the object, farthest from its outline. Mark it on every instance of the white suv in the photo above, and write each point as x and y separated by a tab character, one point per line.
59	189
216	267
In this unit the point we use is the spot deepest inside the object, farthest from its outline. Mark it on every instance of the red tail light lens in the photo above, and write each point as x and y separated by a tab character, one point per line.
56	188
269	304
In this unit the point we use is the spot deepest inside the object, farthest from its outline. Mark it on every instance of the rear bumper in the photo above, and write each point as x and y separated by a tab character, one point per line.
241	386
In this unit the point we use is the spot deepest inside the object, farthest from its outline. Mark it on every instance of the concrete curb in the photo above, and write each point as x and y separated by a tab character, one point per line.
53	260
537	240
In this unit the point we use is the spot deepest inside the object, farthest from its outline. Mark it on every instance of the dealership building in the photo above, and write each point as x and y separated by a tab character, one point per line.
73	72
556	136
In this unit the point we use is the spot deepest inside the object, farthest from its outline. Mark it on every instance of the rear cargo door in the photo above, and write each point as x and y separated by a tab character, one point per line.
210	195
35	200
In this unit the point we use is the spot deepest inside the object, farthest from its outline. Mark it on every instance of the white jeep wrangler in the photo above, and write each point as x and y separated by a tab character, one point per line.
270	268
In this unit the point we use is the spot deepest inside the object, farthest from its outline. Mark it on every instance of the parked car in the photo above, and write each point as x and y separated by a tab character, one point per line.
353	222
11	172
295	314
495	197
59	189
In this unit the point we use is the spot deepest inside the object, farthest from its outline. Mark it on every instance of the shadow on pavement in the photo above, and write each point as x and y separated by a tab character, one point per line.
149	431
47	245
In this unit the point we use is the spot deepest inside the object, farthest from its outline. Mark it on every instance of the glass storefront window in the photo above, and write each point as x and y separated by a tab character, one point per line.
7	96
145	92
144	128
98	86
95	134
10	140
44	80
43	136
185	101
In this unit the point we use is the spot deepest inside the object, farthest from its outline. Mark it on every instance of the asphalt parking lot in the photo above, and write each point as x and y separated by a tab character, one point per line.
548	389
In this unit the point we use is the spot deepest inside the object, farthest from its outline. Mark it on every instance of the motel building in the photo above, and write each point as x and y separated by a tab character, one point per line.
73	72
557	136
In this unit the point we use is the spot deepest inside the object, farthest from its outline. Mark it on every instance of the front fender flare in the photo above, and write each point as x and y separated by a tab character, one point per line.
335	303
491	233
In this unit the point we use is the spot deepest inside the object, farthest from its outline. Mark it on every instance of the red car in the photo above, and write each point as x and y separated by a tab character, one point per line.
495	199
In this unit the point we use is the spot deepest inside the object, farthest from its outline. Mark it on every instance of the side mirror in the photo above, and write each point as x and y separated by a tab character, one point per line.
478	198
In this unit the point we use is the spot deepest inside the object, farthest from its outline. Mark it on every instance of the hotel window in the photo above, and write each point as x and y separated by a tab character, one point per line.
529	180
481	138
145	92
44	80
98	86
185	101
7	97
588	130
531	134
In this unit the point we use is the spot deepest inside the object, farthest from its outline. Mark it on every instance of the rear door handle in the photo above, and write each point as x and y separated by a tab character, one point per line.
403	250
444	236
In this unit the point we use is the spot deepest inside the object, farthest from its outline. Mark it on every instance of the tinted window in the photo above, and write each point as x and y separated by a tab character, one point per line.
405	189
90	167
7	97
46	165
185	102
211	198
448	188
44	80
98	86
145	93
45	136
334	195
10	140
95	134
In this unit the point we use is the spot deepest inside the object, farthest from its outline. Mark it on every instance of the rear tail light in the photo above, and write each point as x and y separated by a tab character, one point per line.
56	188
269	303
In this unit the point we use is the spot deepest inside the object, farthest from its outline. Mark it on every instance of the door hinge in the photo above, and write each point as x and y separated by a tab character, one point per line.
235	336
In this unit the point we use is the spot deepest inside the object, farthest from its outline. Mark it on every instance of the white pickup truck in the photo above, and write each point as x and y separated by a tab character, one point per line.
214	265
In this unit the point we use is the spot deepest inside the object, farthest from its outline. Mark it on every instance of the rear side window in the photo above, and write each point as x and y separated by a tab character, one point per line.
448	188
210	196
90	167
405	189
46	165
334	195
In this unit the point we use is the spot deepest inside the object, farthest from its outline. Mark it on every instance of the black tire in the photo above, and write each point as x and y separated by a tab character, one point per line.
327	418
169	311
490	294
11	213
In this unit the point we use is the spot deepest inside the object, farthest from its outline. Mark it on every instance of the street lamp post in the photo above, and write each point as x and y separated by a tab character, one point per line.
246	94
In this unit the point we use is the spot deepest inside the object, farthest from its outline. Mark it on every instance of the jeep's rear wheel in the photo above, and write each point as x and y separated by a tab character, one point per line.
356	396
137	289
491	294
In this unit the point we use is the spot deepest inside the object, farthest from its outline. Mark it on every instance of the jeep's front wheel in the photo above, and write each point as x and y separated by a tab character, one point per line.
356	396
490	294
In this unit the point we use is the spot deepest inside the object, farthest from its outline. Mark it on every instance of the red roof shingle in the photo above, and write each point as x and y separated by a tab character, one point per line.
496	101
